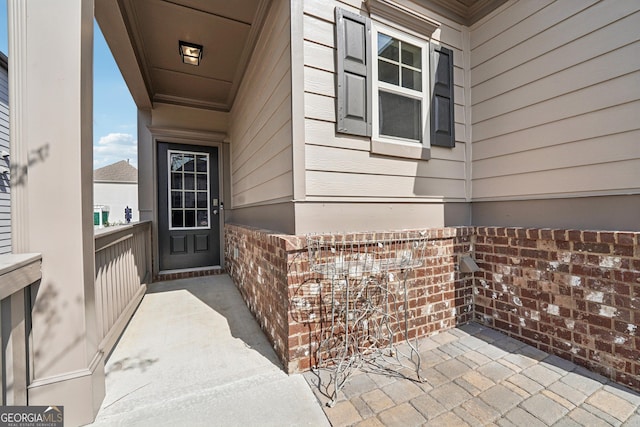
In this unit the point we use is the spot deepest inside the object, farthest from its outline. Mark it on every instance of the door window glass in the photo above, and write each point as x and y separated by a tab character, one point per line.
188	190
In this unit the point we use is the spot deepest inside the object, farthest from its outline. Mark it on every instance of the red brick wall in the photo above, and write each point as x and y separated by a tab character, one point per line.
439	296
569	292
256	260
273	275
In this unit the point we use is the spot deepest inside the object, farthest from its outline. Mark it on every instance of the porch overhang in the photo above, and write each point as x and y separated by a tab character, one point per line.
143	37
465	12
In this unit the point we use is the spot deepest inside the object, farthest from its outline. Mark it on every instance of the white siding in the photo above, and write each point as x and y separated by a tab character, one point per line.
5	194
117	196
556	100
340	166
260	130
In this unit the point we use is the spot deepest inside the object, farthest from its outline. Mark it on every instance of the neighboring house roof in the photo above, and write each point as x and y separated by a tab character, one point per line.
120	171
4	61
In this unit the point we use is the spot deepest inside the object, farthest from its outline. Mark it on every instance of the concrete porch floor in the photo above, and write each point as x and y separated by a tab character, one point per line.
193	355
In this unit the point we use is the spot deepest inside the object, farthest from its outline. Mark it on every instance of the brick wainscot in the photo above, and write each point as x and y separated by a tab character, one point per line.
572	293
273	274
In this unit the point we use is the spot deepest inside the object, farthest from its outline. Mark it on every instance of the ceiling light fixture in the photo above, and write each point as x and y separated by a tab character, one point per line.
190	53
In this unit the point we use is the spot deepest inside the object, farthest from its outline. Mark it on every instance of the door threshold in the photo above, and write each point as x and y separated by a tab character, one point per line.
188	273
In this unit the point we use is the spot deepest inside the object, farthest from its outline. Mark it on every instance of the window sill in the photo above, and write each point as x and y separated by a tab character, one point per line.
399	149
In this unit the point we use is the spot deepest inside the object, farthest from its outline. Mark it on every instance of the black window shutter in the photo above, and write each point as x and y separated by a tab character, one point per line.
442	119
353	97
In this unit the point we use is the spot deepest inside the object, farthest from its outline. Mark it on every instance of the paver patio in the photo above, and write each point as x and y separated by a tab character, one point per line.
193	355
477	376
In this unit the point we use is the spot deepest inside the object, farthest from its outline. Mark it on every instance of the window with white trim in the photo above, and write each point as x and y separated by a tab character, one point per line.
400	87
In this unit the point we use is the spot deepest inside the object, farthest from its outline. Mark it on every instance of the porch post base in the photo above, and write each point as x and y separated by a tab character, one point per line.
80	392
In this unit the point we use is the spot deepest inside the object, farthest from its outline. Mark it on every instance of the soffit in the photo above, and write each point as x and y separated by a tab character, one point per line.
465	12
227	30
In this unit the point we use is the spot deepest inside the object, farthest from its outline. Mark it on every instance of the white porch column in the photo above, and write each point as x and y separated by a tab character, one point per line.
51	87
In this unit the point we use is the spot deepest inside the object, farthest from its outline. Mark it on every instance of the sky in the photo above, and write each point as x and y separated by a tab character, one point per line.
114	112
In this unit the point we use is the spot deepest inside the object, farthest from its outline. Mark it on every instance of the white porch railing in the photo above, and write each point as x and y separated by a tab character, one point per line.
17	273
123	269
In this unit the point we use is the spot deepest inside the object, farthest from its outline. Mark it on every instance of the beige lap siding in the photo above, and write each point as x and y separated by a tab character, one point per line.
555	100
341	166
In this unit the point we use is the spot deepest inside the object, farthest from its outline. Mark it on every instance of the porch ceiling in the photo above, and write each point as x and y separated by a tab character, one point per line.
465	12
226	30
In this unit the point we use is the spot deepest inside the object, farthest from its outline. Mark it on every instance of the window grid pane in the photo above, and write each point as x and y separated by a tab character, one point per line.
388	47
411	79
399	63
411	55
388	72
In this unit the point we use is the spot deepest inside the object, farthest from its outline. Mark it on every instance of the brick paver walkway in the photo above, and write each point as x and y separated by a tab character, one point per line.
477	376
